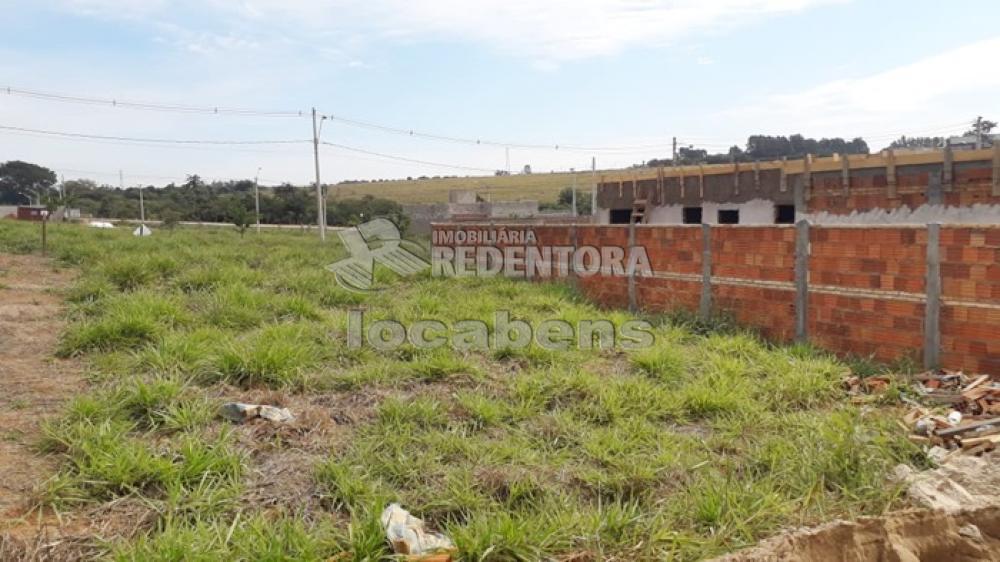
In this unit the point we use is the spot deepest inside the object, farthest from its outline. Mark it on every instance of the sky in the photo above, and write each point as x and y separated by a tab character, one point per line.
611	80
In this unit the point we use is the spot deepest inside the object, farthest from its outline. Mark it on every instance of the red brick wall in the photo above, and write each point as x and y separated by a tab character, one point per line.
970	186
605	290
676	250
765	253
970	316
866	284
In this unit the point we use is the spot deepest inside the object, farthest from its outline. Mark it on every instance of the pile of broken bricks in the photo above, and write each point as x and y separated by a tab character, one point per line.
953	413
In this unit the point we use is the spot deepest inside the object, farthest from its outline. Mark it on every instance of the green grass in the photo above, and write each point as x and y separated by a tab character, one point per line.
707	442
542	187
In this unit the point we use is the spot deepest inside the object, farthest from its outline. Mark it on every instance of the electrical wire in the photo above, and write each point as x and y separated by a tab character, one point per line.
216	110
263	182
193	142
176	108
64	134
485	142
406	159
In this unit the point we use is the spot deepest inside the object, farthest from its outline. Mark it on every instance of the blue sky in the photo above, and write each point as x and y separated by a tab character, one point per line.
573	72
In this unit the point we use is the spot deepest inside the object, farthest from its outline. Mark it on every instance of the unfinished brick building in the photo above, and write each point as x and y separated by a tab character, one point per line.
960	186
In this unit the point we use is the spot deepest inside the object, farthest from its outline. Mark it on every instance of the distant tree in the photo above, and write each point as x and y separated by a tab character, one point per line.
23	182
241	217
565	200
351	212
762	147
986	126
690	155
527	170
290	205
80	185
917	142
170	219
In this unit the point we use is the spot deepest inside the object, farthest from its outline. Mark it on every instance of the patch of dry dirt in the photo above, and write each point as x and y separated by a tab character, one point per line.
33	383
961	523
906	536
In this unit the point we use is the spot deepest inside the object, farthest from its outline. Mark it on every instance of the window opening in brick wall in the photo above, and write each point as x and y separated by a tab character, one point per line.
621	216
692	215
784	214
731	216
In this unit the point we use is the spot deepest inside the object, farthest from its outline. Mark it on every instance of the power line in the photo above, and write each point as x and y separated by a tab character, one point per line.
63	169
200	142
65	134
405	159
486	142
218	110
175	108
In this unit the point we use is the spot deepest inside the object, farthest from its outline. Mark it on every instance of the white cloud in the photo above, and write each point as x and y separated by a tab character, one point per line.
550	31
563	30
935	91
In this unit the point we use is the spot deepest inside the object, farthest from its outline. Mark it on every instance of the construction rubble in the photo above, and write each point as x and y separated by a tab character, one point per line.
408	536
951	413
241	413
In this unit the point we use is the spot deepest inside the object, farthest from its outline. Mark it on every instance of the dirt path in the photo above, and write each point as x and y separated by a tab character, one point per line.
33	384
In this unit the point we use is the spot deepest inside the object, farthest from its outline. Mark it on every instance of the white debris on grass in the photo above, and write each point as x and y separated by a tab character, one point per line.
407	535
239	412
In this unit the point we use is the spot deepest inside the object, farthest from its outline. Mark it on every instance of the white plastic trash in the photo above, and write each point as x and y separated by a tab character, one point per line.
407	535
239	412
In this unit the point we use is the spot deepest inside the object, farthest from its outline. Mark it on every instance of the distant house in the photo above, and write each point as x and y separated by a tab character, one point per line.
34	213
30	212
968	142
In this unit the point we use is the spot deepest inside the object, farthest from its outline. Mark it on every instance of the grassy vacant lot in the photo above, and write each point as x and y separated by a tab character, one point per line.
543	187
703	444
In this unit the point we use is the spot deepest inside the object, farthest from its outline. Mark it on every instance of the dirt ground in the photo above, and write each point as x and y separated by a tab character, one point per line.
33	384
960	523
906	536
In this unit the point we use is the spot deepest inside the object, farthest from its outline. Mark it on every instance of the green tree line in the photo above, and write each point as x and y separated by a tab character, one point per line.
765	147
22	183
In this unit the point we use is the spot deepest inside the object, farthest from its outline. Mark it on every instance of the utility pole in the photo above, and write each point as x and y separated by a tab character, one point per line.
256	198
62	196
979	132
673	160
45	243
573	171
593	190
506	150
320	218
